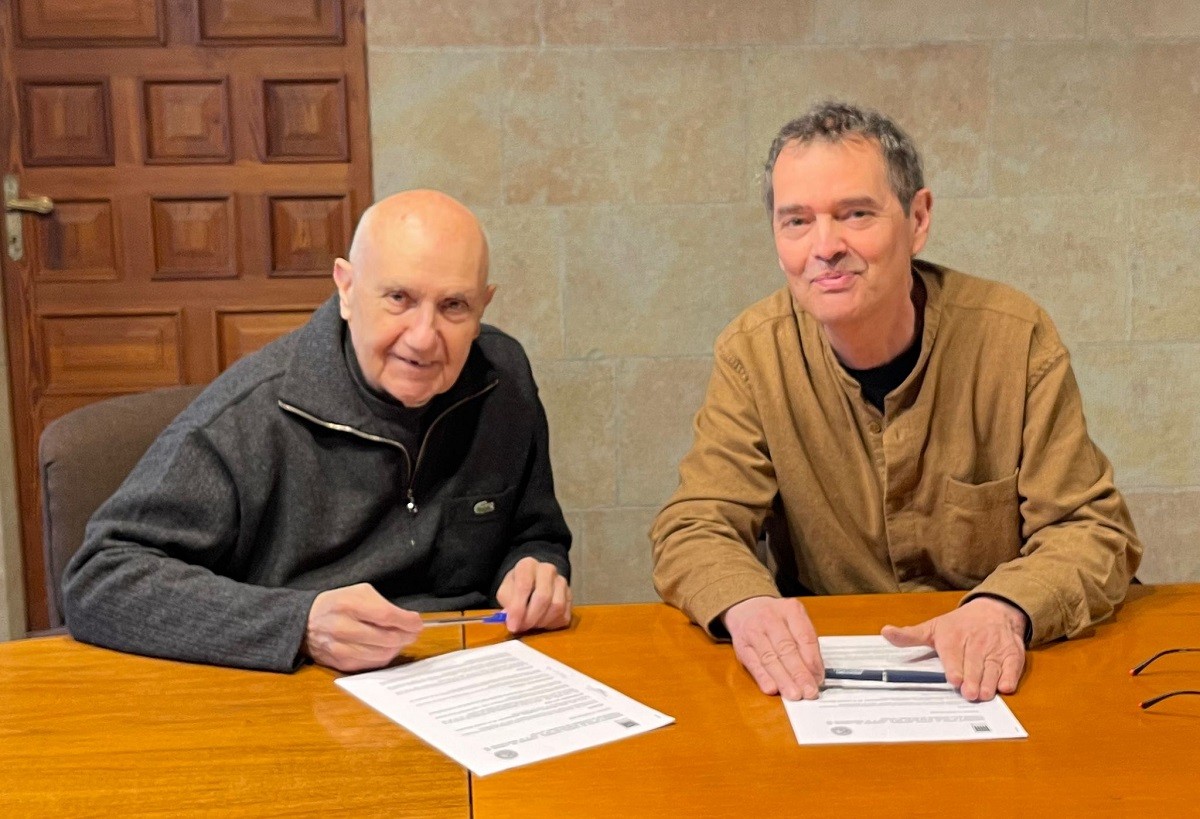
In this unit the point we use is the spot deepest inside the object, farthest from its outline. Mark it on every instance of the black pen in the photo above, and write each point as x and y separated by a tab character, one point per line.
885	675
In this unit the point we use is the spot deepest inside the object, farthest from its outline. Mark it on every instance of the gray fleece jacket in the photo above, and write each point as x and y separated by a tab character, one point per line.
285	478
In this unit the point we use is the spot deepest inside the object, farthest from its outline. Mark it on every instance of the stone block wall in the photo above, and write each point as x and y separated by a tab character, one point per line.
612	150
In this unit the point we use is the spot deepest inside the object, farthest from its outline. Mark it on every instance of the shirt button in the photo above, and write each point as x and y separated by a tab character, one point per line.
874	427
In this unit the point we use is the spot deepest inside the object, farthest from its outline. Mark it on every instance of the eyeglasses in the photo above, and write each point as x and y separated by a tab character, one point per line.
1138	669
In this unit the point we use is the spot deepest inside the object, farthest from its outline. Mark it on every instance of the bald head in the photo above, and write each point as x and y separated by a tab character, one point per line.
427	219
413	293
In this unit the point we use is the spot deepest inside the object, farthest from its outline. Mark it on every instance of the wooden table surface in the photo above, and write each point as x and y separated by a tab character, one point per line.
84	731
1091	750
90	732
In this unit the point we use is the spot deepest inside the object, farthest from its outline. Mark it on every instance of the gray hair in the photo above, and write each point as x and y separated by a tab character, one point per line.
835	122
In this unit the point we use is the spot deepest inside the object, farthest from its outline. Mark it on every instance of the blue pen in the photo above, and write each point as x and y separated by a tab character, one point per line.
497	617
885	675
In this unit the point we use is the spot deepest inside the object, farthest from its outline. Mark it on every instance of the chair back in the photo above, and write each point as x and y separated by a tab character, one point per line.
82	459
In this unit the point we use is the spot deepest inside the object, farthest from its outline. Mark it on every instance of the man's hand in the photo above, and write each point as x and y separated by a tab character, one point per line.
534	595
776	642
355	628
981	644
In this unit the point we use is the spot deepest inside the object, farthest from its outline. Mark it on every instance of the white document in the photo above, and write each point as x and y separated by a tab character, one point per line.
502	706
858	711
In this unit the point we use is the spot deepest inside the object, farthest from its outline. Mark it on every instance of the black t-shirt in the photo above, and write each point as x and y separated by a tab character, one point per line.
877	382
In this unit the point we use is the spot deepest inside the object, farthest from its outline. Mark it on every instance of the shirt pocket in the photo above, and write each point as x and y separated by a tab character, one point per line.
473	540
980	526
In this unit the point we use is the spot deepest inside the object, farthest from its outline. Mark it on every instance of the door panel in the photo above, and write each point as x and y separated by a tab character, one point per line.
67	23
187	121
76	242
318	21
207	160
65	122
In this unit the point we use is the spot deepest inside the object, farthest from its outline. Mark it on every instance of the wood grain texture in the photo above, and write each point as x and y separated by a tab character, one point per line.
306	120
177	137
129	353
317	21
187	122
85	731
1091	751
243	333
66	123
77	243
308	233
64	23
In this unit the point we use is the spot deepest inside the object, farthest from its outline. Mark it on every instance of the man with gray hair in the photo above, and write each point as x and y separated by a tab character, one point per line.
915	428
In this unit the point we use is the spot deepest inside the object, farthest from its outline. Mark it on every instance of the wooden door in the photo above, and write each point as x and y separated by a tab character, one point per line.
206	160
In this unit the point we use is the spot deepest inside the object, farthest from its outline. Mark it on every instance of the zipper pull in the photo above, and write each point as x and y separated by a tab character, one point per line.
412	506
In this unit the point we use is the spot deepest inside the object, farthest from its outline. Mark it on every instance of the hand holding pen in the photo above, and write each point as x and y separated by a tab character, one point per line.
495	617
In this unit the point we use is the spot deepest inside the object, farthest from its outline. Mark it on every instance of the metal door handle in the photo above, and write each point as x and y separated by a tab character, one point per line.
13	206
34	204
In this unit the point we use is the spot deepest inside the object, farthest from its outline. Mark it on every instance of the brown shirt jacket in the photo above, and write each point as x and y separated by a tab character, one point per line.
979	475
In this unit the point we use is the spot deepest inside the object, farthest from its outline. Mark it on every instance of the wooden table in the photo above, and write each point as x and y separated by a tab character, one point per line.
90	732
1091	750
85	731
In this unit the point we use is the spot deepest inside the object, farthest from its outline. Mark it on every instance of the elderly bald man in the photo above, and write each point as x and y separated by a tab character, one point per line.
388	457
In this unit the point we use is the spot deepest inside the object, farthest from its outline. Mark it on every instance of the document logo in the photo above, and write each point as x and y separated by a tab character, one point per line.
485	507
507	753
841	730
